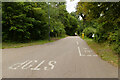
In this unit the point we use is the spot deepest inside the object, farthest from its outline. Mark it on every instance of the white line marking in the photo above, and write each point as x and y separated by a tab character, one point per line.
11	67
79	51
37	67
52	64
89	55
23	67
83	55
45	68
35	60
18	65
77	42
95	55
85	48
24	62
88	51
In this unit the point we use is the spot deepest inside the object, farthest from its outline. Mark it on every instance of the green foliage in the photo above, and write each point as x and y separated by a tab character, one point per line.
26	21
104	17
89	31
58	29
15	21
40	28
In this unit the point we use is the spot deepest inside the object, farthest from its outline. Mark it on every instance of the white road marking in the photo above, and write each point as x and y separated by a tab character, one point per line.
45	68
37	67
29	63
51	63
19	64
83	55
88	51
35	60
95	55
77	42
23	67
12	67
79	51
89	55
85	48
24	62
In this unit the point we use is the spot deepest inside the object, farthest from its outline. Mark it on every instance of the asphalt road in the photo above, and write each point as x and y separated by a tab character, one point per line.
70	57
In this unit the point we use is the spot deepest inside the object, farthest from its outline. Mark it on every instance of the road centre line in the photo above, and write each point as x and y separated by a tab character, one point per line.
77	42
79	51
85	49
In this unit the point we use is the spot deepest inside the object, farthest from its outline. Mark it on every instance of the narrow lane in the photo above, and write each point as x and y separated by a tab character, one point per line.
70	57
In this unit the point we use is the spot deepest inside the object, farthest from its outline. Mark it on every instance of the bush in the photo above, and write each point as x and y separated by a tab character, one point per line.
58	30
89	31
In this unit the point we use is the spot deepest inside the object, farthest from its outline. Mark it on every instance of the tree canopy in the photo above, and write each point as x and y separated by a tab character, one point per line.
24	21
104	17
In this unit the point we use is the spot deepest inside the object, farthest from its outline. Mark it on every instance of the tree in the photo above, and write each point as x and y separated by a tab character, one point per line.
106	16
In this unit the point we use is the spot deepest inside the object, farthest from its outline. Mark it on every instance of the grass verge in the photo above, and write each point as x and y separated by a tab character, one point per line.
38	42
104	50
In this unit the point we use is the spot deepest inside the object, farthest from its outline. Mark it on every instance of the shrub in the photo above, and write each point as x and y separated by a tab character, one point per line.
89	31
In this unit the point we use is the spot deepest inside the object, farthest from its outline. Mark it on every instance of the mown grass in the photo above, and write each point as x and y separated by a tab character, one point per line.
18	45
104	50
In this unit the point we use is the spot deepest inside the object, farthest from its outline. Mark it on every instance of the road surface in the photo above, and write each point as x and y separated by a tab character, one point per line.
69	57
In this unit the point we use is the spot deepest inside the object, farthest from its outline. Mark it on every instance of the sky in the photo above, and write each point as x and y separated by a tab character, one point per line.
71	5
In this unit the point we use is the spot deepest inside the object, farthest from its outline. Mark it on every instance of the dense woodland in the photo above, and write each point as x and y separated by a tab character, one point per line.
101	19
25	21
